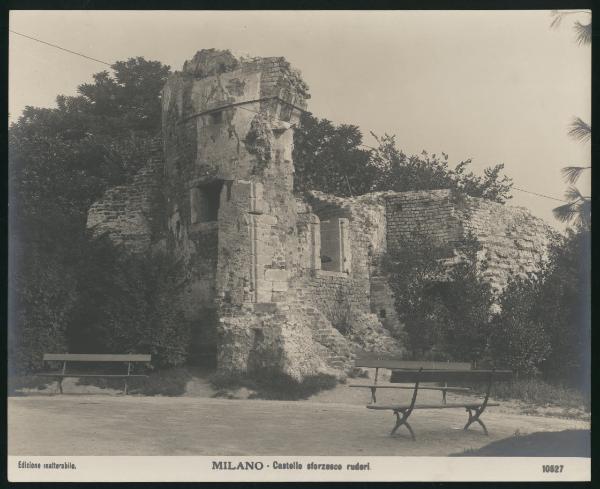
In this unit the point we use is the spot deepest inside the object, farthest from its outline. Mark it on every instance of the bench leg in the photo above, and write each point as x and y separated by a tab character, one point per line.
60	389
402	420
475	418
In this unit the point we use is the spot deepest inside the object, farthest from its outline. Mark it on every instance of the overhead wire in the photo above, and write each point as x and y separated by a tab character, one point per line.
60	47
241	107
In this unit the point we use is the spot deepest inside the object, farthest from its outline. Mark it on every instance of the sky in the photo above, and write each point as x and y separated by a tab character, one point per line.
493	86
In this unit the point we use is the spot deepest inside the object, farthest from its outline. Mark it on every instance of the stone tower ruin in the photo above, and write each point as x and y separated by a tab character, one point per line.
274	281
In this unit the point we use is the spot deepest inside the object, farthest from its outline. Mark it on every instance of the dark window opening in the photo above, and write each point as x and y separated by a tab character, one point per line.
205	200
382	314
332	253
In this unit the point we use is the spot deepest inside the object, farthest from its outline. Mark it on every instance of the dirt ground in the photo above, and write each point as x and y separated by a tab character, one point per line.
91	421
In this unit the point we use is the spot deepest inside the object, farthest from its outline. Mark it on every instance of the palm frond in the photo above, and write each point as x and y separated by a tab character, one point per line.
571	174
583	33
580	130
578	212
566	212
572	194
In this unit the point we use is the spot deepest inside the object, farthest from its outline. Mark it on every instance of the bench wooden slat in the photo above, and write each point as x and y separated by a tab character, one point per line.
421	387
409	364
399	376
471	405
95	357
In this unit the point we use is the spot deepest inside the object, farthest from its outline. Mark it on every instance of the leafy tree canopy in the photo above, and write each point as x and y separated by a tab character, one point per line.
333	159
61	160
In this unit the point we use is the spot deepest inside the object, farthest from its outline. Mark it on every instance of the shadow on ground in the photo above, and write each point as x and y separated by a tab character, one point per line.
567	443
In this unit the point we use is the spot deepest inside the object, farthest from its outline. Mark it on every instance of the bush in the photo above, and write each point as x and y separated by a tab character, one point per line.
127	305
274	385
18	382
517	338
444	308
537	391
39	310
168	382
544	323
564	309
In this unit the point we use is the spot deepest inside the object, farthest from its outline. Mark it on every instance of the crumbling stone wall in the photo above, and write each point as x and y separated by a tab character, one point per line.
349	299
131	215
513	240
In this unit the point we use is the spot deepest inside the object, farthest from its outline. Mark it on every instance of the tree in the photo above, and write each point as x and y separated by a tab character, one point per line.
583	32
398	172
332	159
517	338
565	303
544	322
60	161
578	209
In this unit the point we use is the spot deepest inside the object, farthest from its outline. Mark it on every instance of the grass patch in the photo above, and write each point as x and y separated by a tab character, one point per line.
169	382
273	385
537	391
18	382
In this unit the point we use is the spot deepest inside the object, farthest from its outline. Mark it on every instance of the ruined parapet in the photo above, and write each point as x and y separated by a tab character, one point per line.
131	215
514	242
230	119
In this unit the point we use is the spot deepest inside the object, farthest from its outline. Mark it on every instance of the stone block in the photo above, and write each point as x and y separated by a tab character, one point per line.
280	286
279	275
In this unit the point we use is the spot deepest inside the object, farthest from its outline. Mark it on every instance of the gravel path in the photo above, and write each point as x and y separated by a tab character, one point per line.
85	424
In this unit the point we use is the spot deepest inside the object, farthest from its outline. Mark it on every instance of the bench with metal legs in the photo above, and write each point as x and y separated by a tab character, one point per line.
474	409
402	414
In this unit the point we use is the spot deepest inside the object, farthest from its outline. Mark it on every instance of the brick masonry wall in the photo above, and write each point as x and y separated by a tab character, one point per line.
131	214
513	240
429	213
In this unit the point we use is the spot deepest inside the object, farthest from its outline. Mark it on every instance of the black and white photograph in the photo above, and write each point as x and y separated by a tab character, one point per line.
299	245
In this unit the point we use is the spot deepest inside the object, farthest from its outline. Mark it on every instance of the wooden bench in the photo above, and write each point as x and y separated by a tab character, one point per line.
380	362
67	359
474	408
